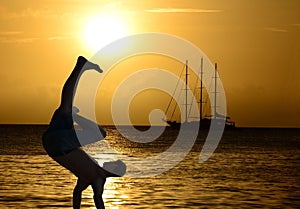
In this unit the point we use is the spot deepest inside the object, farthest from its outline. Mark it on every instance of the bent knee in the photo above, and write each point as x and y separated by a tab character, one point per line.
98	191
78	190
98	186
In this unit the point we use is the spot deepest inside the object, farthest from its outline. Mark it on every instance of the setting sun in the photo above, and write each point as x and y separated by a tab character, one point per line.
102	30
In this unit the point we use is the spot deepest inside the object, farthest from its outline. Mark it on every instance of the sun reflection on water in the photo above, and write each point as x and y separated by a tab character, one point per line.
114	194
239	175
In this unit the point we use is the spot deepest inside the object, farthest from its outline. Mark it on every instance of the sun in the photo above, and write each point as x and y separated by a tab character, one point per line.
102	30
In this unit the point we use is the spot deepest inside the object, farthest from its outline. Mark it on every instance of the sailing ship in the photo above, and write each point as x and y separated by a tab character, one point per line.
204	121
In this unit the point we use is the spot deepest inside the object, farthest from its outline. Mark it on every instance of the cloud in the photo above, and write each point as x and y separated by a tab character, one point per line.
277	30
182	10
7	14
57	38
13	37
7	40
296	24
10	33
19	40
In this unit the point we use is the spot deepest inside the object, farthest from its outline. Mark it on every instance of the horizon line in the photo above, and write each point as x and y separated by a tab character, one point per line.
147	125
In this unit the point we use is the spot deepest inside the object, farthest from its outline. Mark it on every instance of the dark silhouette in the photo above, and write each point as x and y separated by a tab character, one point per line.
62	145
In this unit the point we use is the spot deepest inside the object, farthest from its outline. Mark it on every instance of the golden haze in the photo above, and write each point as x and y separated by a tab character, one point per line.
255	43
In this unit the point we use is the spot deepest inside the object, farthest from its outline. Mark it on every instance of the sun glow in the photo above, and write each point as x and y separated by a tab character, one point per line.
102	30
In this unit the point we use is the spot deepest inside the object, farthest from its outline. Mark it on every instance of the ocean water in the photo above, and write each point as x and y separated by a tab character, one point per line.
250	168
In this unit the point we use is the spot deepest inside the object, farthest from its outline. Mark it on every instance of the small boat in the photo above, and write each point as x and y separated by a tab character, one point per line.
204	121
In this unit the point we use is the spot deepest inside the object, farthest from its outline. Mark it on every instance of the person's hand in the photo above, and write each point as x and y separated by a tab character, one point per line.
75	110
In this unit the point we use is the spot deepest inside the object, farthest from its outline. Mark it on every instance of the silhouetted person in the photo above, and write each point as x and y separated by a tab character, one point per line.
61	142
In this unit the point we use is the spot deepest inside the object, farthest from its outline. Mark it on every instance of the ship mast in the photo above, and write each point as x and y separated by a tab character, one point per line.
186	91
201	87
215	100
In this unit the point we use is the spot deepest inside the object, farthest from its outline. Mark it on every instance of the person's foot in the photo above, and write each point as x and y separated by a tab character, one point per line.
86	65
75	110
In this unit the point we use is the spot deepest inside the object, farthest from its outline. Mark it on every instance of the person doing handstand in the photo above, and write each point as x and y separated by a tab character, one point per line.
61	141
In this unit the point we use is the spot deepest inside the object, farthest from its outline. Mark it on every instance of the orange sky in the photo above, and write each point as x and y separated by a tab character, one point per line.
255	43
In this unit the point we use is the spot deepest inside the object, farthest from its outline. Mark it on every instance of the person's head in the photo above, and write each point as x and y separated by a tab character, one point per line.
116	168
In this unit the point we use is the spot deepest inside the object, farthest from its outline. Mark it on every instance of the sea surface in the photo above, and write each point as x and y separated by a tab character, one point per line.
251	168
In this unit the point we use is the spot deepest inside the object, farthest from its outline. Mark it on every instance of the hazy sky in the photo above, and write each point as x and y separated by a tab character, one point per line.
255	43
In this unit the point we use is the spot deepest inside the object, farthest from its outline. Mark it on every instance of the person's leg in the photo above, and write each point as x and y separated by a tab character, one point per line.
98	187
69	88
81	165
87	170
77	192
